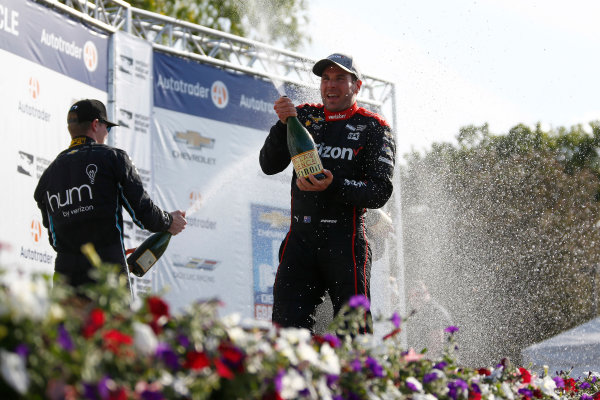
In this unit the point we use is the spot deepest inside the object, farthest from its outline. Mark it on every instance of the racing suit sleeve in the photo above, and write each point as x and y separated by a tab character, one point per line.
374	187
274	155
136	200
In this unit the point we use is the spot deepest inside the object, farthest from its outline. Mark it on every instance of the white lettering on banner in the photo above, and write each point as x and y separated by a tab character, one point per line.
9	20
178	85
255	104
59	44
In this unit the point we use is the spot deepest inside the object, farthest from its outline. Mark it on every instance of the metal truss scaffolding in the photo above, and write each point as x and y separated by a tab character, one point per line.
215	47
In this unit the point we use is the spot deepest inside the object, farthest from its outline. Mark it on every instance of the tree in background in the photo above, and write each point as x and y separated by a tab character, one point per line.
504	231
277	22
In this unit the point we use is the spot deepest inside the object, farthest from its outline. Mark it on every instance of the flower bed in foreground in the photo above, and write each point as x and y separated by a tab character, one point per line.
54	347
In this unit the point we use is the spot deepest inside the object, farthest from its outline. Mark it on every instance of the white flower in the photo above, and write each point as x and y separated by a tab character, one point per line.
307	353
292	383
29	297
507	391
330	363
13	371
295	335
421	396
144	338
323	389
414	382
546	385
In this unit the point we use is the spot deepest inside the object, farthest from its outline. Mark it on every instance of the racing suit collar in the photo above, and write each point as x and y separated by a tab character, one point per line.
345	114
79	140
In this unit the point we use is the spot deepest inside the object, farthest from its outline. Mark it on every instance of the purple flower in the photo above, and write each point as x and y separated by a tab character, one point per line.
412	386
428	378
560	382
167	355
525	392
22	350
183	340
451	329
375	367
89	391
64	339
475	387
359	301
332	380
151	395
354	396
333	340
441	365
278	380
456	387
584	385
396	319
586	396
103	387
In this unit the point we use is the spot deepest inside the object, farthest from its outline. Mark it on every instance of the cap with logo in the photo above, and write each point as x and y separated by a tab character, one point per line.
88	110
344	61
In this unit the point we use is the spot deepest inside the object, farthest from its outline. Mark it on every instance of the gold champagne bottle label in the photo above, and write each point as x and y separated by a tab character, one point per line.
307	163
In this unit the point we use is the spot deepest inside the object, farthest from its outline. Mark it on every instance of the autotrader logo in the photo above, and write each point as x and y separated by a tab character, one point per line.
36	231
219	94
34	88
90	56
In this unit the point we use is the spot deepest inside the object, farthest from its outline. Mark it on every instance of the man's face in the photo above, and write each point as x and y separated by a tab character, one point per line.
338	89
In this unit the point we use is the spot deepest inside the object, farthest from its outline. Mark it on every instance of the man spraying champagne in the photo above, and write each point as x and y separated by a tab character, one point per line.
83	191
327	247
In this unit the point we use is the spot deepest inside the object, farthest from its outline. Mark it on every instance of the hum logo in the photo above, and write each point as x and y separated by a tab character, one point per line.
68	197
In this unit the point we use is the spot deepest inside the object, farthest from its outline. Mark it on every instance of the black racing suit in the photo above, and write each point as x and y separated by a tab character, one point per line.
327	247
81	195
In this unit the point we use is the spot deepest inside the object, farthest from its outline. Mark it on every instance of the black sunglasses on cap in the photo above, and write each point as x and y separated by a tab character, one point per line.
105	122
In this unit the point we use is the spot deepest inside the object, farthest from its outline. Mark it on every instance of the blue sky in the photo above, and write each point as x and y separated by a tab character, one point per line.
460	62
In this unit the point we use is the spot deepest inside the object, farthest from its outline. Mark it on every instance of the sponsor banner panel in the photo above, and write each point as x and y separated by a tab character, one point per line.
209	169
34	123
133	99
205	91
269	227
39	34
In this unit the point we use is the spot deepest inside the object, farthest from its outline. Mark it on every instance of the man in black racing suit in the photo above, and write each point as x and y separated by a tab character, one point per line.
327	247
82	192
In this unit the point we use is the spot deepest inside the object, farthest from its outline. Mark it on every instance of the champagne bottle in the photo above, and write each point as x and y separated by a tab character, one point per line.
148	253
303	150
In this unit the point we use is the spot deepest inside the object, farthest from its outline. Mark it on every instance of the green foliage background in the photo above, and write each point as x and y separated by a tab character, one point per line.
277	22
504	231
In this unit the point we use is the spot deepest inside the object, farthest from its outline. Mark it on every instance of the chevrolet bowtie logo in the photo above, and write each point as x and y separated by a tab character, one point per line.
195	140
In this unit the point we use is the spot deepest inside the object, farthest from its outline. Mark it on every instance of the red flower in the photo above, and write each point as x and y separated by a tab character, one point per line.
272	396
119	394
537	393
473	395
94	322
196	360
232	356
222	370
115	340
597	396
570	385
484	371
525	375
158	307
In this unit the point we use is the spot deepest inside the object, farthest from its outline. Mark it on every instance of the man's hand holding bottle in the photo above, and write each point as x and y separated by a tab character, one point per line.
179	222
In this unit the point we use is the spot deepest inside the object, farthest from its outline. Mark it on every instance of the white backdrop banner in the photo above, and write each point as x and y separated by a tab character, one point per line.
48	63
